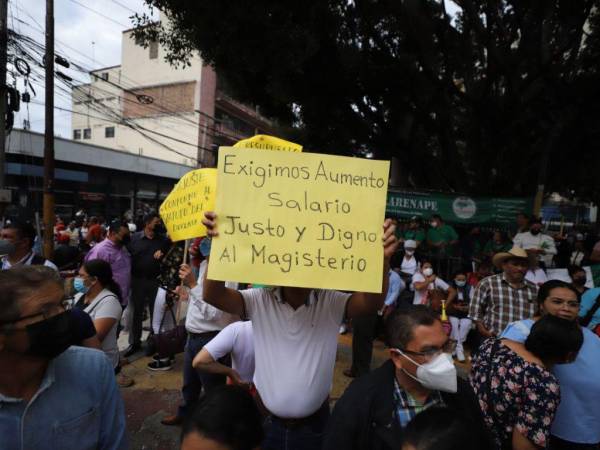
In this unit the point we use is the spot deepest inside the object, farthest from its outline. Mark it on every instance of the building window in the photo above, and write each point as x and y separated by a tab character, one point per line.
109	132
153	49
76	134
104	76
87	133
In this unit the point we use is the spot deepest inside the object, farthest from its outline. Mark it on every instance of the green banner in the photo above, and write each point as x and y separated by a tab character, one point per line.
456	208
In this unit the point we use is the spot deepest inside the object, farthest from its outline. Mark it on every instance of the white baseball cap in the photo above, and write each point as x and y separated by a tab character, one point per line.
410	244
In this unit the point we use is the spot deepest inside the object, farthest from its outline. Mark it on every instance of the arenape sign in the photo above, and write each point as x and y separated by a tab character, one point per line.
456	208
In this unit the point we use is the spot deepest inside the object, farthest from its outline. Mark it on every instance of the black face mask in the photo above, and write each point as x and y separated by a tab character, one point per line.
579	281
534	231
6	247
50	337
125	240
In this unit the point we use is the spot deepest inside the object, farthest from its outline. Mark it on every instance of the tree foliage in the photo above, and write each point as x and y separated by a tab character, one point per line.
467	100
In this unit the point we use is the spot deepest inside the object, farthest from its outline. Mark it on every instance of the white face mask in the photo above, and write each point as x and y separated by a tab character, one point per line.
409	252
434	224
439	374
428	271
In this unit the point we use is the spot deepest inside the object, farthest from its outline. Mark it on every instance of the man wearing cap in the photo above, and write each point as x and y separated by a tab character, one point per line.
505	297
534	241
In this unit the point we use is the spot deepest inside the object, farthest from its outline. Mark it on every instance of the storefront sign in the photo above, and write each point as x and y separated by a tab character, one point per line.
455	208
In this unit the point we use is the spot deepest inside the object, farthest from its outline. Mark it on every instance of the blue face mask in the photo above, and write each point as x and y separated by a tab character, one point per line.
460	283
79	286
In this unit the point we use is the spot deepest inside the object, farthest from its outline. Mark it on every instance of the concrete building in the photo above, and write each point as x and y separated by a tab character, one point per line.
149	108
101	181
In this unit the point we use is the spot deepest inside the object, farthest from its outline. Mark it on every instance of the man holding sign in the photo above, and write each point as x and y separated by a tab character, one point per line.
295	339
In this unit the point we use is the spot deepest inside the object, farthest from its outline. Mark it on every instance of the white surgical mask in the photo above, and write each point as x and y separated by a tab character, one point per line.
434	224
460	283
428	271
439	374
409	252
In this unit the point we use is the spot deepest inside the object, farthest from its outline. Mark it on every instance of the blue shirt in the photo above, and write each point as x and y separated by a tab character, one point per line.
395	286
77	407
587	301
578	416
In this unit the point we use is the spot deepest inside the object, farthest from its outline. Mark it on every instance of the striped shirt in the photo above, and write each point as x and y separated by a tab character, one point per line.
406	407
496	303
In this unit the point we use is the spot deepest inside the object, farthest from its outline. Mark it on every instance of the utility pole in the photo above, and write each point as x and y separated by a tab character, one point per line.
49	134
3	51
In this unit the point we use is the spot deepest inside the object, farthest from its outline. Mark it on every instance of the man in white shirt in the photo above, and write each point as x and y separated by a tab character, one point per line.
236	340
19	238
203	322
534	241
295	342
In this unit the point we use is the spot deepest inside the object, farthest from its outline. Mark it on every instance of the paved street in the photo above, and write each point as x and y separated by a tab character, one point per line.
156	394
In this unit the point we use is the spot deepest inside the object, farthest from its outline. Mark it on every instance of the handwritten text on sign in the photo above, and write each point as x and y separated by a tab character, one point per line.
291	219
183	208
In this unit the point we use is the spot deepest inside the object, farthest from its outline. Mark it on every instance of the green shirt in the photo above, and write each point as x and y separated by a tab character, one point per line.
415	235
444	233
492	247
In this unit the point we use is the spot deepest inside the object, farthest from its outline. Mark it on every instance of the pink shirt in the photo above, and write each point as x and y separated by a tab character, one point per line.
120	263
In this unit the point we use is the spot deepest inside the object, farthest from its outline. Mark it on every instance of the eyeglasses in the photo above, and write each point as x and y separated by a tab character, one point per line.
570	303
448	347
46	312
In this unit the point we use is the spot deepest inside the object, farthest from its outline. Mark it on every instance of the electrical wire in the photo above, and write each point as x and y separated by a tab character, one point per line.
125	123
124	6
39	49
100	14
87	71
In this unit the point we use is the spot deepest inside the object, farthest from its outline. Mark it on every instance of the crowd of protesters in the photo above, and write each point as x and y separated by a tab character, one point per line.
258	361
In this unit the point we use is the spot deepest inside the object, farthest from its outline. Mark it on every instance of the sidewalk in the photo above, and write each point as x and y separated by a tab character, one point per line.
156	394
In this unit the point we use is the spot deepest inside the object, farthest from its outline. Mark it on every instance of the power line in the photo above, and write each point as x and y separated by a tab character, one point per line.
158	108
132	89
100	14
123	6
125	123
38	48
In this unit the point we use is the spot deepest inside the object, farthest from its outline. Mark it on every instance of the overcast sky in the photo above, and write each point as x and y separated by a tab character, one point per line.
94	39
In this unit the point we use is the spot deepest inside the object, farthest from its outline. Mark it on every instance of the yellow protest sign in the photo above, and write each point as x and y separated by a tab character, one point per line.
299	219
184	207
265	142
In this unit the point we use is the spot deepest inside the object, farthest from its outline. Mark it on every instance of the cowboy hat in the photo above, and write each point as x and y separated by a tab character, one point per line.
515	252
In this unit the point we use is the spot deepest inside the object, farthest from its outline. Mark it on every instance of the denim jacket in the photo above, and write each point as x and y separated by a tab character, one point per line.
77	406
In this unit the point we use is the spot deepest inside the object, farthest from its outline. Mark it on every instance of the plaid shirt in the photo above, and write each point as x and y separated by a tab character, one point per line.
496	303
406	407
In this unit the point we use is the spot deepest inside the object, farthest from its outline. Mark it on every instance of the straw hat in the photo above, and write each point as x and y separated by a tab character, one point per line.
515	252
